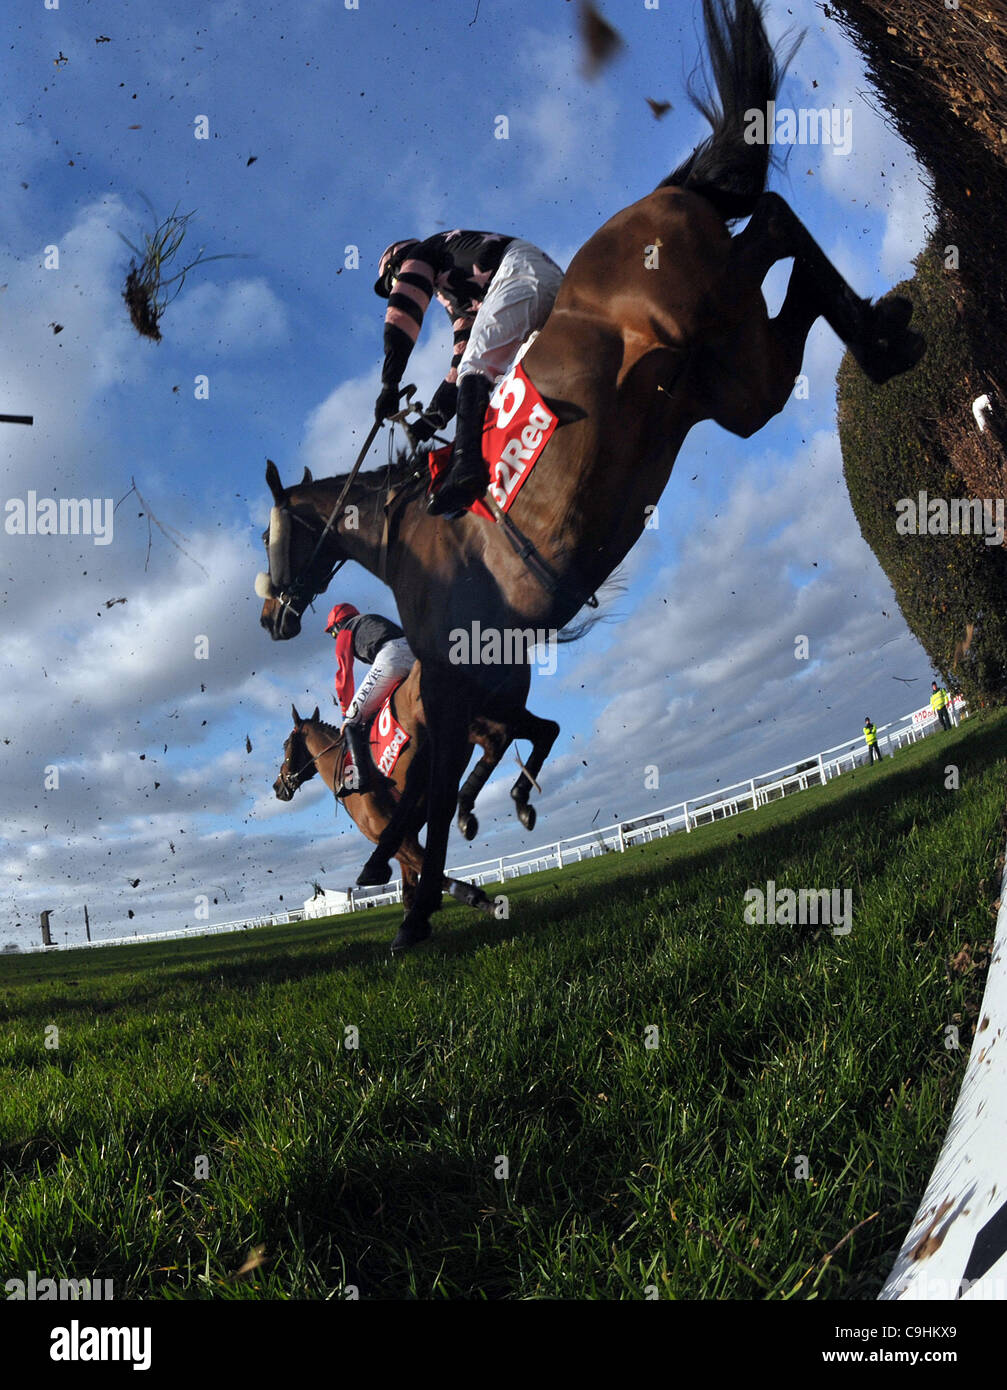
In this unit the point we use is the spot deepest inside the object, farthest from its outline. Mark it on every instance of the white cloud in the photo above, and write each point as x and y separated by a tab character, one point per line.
241	317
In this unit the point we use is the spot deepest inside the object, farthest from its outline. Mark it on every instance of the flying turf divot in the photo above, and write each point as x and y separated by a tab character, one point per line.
957	1244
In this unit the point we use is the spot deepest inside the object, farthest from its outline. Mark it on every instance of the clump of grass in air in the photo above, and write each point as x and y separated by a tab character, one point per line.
146	282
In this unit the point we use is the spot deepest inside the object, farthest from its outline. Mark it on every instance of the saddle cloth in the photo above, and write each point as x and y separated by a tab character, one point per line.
386	736
517	427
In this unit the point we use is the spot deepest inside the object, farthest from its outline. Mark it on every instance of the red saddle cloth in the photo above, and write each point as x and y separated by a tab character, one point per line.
517	427
387	738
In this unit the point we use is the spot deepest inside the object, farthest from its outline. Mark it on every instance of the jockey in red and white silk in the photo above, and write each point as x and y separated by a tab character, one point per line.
497	290
367	637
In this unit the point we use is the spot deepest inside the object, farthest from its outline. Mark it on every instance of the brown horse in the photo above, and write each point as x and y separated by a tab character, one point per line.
316	747
307	751
660	323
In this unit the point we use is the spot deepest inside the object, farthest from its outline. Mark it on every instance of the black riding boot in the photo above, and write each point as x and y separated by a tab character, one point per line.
468	475
359	745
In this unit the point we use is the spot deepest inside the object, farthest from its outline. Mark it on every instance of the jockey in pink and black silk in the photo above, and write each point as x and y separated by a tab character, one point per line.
457	267
496	289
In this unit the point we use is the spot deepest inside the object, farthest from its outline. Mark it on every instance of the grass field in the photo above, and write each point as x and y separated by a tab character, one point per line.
630	1167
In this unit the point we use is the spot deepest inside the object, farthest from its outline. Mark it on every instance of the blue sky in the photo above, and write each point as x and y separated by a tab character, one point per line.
367	125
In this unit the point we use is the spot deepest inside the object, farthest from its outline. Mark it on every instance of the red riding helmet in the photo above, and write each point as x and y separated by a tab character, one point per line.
339	614
382	285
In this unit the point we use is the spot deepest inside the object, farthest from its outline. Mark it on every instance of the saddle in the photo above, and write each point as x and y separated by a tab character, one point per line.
386	738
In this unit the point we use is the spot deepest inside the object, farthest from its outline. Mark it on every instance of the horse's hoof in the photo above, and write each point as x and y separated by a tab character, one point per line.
412	931
468	825
882	358
375	872
527	814
891	316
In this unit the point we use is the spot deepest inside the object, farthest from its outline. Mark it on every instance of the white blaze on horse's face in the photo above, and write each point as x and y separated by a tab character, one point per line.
278	548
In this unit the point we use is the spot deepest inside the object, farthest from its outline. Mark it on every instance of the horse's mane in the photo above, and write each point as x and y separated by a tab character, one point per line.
390	475
326	728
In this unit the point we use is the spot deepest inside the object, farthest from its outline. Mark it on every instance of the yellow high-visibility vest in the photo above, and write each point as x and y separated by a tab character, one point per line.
938	699
871	734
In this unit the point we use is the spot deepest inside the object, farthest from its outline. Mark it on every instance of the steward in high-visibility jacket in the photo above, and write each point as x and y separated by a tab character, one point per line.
939	704
871	739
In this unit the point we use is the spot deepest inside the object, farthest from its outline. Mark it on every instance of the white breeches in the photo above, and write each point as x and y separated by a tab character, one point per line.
518	302
393	662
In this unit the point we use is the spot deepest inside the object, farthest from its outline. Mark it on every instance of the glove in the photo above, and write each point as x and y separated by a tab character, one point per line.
424	428
443	404
387	403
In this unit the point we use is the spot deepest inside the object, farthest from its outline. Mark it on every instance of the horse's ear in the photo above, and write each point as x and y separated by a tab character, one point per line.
273	479
566	412
297	717
317	715
307	477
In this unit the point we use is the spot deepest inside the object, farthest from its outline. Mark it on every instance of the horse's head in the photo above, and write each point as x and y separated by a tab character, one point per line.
297	572
298	765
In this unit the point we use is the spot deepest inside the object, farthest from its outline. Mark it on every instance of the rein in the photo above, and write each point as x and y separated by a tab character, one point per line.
298	586
288	778
525	550
523	547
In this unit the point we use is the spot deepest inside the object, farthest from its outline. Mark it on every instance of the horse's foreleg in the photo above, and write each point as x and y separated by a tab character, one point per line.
448	707
401	823
543	734
410	878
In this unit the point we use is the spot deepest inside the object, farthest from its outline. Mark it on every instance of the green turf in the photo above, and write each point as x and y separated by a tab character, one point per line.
670	1168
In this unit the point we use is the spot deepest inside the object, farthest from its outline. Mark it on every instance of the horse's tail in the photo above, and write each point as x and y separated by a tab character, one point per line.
726	169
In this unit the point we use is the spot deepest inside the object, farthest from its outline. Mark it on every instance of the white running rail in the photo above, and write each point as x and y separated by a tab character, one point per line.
810	771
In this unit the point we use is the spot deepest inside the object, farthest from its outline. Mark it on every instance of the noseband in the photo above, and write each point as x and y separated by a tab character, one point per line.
290	781
295	595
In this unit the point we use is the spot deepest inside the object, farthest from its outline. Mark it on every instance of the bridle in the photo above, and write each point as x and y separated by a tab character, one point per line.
294	595
291	781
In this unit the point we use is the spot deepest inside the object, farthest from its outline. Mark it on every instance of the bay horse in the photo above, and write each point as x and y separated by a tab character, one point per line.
314	747
660	323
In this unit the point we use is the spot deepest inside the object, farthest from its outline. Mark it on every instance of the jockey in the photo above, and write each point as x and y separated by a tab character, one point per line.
370	638
497	290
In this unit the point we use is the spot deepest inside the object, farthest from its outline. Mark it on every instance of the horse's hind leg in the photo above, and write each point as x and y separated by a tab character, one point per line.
877	335
543	734
469	894
493	738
